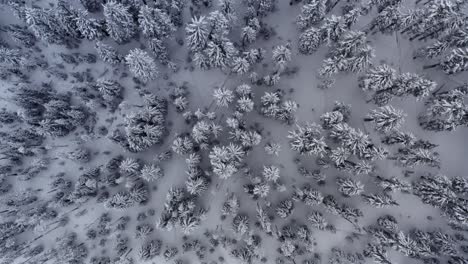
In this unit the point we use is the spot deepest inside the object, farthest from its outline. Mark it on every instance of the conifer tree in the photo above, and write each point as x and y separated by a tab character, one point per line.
311	13
155	23
308	140
446	110
309	41
197	33
386	118
349	187
89	28
108	54
119	21
44	25
379	200
456	61
141	65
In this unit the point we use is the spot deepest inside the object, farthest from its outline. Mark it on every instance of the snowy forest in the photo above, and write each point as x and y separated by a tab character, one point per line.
233	131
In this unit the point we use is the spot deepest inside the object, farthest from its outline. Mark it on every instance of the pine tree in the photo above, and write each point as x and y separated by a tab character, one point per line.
332	29
377	253
141	65
66	16
446	110
240	224
386	118
285	208
81	155
120	200
155	23
378	78
308	140
182	145
349	187
21	35
271	173
147	127
240	65
231	205
415	156
312	13
339	155
119	21
197	182
310	41
150	249
223	96
379	200
89	28
44	25
159	49
108	54
307	195
197	33
263	219
129	165
111	93
281	56
220	52
388	21
151	173
317	220
456	61
226	160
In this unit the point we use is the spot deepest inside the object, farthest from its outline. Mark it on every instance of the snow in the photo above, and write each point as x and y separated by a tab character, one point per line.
302	87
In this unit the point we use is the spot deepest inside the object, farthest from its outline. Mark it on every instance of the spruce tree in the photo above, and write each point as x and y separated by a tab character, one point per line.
155	23
386	118
119	21
141	65
197	33
107	53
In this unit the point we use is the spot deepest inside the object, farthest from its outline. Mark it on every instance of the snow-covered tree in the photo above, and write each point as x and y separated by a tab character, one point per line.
281	56
197	32
155	23
240	224
121	200
151	172
312	13
240	65
308	140
146	127
317	220
142	65
119	21
89	28
309	41
150	249
349	186
386	118
226	160
231	205
264	219
377	78
456	61
446	110
182	145
108	54
223	96
271	173
379	200
285	208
